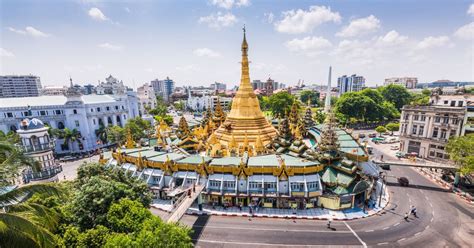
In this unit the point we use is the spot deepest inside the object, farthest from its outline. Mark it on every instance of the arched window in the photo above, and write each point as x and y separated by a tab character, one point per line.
13	128
109	120
60	125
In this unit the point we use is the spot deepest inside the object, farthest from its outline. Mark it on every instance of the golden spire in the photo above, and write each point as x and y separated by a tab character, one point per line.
233	143
159	140
259	147
130	143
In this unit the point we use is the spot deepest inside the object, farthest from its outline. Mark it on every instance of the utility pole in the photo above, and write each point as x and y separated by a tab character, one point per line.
382	177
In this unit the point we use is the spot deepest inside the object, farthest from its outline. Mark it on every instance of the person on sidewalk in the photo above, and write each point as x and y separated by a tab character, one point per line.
406	217
329	223
413	210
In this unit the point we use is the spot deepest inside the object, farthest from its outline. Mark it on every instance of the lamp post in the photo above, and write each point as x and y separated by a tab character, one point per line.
382	177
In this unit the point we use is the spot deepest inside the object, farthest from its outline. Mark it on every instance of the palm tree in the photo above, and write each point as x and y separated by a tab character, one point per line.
101	134
71	136
22	224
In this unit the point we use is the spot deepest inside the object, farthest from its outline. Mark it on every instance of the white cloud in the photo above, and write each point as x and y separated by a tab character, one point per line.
29	31
310	45
391	38
433	42
187	68
127	9
109	46
360	26
470	11
465	32
97	14
301	21
206	52
229	4
269	17
5	53
219	20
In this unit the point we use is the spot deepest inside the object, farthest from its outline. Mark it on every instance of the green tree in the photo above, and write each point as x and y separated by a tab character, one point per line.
372	94
380	130
101	134
320	116
70	137
426	92
310	95
280	103
389	111
264	102
396	94
461	151
179	105
139	128
392	127
116	134
161	108
167	118
355	105
127	216
420	99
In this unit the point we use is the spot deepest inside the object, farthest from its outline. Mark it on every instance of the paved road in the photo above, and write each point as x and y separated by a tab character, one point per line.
70	168
443	220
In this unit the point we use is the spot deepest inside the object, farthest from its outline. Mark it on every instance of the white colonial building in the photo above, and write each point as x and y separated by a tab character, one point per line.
146	97
86	113
201	103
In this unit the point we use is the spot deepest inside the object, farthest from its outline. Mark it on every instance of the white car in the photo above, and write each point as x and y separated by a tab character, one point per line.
394	148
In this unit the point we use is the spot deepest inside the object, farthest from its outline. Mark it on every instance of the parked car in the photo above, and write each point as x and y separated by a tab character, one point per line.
377	139
361	136
394	147
400	154
403	181
372	135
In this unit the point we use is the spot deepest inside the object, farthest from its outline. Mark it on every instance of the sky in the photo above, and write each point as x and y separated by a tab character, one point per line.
198	42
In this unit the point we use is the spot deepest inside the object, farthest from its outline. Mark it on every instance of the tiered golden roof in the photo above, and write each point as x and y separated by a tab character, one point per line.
245	117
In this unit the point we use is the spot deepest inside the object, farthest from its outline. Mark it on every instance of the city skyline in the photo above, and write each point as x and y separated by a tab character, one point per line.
195	43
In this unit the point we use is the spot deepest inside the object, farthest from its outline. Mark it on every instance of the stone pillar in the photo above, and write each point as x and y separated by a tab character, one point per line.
104	120
114	120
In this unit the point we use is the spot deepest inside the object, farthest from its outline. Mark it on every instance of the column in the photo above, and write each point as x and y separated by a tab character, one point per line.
114	120
104	120
410	124
429	130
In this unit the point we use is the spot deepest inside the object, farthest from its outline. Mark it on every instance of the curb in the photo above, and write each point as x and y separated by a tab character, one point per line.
445	185
295	217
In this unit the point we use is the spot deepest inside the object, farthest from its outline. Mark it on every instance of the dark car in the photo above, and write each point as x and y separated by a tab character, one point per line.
372	135
361	136
403	181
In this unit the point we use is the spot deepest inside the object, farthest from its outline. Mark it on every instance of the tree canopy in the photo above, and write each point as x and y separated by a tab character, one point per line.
280	103
396	94
311	95
461	151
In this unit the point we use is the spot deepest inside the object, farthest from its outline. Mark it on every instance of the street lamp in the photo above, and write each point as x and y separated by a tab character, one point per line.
382	177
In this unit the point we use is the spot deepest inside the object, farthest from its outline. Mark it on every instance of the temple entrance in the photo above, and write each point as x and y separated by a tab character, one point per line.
179	182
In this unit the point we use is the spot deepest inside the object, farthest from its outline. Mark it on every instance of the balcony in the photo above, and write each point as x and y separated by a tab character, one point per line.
38	147
42	175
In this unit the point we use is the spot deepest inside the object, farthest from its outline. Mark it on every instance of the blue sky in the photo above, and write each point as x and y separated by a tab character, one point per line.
198	42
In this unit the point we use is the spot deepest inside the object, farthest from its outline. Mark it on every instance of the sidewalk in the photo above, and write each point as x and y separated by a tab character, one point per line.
314	213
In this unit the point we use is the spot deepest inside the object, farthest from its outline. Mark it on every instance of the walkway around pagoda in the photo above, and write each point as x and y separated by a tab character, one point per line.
182	204
427	164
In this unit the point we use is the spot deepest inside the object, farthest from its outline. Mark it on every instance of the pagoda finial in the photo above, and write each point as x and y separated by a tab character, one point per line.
130	143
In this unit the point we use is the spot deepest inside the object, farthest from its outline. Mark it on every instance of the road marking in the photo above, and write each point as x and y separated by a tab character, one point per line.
431	219
384	243
432	213
397	224
385	228
271	229
431	205
418	233
426	197
357	236
400	240
426	228
369	231
251	243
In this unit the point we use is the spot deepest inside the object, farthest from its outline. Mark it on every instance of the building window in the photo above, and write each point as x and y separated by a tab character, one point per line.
435	132
107	108
98	109
446	120
124	117
432	153
460	103
432	146
452	133
313	185
214	184
116	107
446	102
229	184
406	117
440	147
415	117
443	133
93	121
92	110
60	125
437	119
439	155
453	103
10	114
57	112
76	123
455	121
423	117
420	130
255	185
42	112
123	107
297	187
74	111
415	127
269	185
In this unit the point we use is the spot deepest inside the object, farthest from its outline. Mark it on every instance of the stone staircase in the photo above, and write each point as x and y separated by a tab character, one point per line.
183	203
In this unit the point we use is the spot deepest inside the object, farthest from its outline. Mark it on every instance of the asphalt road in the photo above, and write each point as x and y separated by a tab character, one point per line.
443	220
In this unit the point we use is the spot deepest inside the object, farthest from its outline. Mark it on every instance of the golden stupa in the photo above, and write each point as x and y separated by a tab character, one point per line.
246	121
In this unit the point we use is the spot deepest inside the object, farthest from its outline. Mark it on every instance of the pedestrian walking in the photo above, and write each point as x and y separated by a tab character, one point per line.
406	217
240	206
329	223
413	211
381	157
194	187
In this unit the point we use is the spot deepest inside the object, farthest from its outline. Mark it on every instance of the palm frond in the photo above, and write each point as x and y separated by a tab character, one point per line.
23	193
38	214
18	231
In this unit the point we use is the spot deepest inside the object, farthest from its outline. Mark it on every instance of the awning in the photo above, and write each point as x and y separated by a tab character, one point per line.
296	179
312	178
157	172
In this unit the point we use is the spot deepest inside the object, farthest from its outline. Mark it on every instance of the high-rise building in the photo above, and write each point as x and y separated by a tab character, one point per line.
269	86
258	85
407	82
350	84
163	88
19	86
219	86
